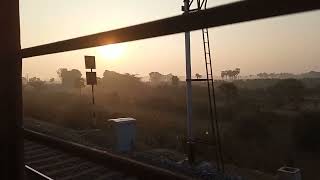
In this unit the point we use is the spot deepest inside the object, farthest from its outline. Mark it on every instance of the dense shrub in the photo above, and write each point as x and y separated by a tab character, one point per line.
255	132
307	132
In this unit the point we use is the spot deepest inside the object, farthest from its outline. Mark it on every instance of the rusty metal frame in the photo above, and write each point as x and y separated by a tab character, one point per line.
237	12
11	55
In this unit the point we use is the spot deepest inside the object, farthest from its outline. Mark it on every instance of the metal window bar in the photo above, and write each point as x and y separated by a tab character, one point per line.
11	54
237	12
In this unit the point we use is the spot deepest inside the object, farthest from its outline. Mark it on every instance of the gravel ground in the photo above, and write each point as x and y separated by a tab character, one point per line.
164	158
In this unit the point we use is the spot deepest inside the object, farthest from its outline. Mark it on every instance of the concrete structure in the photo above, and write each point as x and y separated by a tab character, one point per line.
124	133
289	173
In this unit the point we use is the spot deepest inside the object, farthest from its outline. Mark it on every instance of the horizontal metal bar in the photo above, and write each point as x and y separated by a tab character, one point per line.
241	11
199	79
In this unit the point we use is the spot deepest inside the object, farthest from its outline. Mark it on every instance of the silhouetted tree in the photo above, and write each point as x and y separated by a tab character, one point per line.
175	80
155	77
36	83
79	84
198	76
263	75
51	80
235	73
276	75
232	74
68	78
158	78
115	81
61	72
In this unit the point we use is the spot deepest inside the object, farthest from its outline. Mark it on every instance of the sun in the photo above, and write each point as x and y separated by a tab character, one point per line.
111	52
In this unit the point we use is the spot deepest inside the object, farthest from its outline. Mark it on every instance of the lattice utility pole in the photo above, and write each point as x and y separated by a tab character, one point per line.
214	123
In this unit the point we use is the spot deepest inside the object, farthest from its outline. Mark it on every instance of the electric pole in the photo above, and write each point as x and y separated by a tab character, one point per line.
190	139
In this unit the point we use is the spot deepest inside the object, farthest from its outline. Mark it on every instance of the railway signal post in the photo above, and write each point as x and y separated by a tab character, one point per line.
91	80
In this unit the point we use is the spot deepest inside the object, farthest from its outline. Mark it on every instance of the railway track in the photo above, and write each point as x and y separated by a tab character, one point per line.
57	164
49	158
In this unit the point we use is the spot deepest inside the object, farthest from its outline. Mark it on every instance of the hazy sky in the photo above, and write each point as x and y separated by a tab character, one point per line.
282	44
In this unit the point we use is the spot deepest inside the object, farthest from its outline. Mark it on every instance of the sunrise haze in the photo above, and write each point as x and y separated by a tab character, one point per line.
282	44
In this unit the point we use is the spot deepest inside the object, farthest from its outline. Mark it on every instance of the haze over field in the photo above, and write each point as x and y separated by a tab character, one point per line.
257	112
283	44
265	123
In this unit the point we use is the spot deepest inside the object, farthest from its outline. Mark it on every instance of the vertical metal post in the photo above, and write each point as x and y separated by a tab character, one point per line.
92	91
190	139
93	102
11	148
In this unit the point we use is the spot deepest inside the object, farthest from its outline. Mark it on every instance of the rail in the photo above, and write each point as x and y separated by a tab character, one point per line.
33	174
139	169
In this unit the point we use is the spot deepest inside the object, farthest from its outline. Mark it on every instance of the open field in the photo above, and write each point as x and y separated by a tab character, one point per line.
265	124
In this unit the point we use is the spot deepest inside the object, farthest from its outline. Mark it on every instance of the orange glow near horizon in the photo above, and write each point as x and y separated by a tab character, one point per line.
111	52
